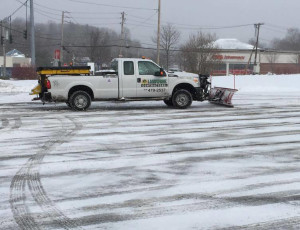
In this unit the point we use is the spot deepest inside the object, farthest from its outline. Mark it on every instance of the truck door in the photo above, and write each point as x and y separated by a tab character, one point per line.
128	80
149	85
108	84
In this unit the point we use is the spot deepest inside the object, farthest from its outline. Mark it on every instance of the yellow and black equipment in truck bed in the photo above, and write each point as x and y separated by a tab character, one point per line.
64	70
44	72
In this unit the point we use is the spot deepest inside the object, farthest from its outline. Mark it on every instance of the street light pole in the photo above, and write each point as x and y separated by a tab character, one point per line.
62	39
32	34
158	32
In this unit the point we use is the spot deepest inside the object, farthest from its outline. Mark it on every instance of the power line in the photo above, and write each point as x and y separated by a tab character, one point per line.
86	12
75	12
113	6
46	7
143	22
23	4
46	12
276	26
275	30
72	17
130	46
21	32
37	11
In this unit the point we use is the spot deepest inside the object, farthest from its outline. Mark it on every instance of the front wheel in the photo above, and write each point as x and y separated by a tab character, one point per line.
182	99
80	100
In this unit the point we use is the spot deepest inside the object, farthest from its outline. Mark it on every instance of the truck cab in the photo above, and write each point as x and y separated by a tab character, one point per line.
141	78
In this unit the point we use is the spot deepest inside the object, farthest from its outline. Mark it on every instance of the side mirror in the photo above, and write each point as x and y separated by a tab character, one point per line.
160	73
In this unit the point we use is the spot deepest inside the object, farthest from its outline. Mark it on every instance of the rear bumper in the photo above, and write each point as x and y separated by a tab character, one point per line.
47	97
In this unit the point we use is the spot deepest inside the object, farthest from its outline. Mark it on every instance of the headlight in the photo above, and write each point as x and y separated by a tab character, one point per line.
196	80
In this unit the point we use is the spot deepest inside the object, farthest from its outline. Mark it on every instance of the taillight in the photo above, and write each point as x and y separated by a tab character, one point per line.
48	85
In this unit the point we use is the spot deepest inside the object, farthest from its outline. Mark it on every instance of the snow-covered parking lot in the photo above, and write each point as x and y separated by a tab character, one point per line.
142	165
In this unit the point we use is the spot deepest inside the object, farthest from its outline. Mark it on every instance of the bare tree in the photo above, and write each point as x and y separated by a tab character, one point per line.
252	41
199	53
170	37
100	42
272	58
290	42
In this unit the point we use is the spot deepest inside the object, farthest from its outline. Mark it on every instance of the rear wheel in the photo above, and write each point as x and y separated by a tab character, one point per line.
168	102
80	100
182	99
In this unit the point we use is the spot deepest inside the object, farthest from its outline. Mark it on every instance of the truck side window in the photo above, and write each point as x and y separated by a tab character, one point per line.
148	68
128	68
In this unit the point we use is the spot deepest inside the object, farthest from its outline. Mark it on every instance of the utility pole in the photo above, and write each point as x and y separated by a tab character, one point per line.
62	38
3	38
122	34
257	28
158	32
32	34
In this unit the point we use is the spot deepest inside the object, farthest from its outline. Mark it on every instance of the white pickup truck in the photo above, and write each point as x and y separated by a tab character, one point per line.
131	79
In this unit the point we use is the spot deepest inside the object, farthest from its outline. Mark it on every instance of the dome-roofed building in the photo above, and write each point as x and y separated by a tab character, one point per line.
15	53
14	58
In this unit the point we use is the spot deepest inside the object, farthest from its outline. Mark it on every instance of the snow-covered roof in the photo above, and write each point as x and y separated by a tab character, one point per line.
15	53
232	44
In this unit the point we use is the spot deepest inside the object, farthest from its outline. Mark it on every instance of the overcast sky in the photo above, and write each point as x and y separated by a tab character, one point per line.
187	15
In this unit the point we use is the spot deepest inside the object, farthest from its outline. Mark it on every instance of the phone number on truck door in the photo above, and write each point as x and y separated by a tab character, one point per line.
156	90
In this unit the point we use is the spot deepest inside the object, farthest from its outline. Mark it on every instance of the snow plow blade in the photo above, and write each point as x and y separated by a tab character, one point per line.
36	90
221	96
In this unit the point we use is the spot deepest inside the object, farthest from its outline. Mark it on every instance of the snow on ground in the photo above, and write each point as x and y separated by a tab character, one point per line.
260	83
142	165
13	91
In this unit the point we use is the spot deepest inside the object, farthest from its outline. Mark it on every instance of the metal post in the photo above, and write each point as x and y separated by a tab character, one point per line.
257	26
62	39
158	32
32	34
122	34
3	47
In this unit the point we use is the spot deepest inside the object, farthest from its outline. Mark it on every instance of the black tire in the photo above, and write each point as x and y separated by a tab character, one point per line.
168	102
68	104
80	100
182	99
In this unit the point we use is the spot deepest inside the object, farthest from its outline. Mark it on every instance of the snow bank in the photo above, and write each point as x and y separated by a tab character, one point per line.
231	43
260	83
11	86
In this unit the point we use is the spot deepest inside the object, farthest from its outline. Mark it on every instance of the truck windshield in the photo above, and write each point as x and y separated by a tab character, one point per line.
114	66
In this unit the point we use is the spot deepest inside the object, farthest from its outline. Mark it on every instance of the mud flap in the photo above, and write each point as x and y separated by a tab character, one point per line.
221	96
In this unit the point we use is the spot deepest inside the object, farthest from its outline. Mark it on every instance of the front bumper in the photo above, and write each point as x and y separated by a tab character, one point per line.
200	94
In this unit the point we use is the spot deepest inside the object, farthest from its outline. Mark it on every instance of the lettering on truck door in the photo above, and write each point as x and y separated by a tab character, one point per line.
150	85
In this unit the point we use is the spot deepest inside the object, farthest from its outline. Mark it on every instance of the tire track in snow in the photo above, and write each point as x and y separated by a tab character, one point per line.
282	224
5	123
29	174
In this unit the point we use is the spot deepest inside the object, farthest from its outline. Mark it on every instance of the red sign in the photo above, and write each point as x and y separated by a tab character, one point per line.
226	57
57	54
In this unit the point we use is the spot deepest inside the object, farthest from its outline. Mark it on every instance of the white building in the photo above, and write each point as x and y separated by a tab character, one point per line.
238	58
15	58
